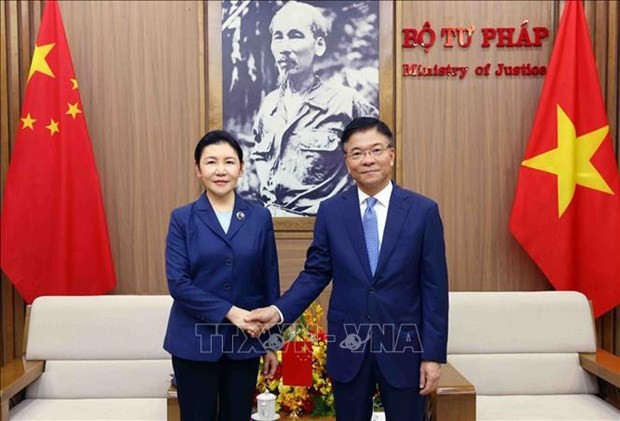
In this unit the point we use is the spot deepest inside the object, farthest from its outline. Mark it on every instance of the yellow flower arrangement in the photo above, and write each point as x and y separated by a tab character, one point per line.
318	399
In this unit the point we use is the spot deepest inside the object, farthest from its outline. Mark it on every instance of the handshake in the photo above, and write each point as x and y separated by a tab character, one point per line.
254	322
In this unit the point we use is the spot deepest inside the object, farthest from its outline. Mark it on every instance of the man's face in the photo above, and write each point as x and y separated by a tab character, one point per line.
293	44
373	168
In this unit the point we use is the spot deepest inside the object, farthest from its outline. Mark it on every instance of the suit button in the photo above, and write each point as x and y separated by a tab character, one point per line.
367	317
371	290
228	262
226	286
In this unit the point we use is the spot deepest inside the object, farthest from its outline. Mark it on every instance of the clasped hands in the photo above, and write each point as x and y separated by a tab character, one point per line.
254	322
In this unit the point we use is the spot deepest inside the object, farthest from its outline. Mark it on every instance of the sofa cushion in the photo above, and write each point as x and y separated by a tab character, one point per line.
525	374
102	379
90	409
116	327
545	407
500	322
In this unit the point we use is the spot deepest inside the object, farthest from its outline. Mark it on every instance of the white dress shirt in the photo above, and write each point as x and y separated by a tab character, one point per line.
381	207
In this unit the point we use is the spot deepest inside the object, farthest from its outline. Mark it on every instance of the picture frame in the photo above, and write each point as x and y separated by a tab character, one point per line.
218	70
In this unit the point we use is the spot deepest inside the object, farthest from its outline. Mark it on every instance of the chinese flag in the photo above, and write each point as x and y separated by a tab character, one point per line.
54	238
566	210
297	363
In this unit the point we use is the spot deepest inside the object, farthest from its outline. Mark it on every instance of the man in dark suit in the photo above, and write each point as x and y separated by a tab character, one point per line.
388	313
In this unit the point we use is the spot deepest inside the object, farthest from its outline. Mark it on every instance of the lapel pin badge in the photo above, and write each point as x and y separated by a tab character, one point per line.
240	216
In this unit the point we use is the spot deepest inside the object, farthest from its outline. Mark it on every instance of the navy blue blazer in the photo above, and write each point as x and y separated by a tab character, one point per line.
209	271
401	312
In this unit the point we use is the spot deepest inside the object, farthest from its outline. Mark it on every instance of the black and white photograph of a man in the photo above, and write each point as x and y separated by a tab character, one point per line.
294	74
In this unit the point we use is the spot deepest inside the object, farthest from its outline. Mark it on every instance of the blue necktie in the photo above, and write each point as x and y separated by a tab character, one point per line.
371	232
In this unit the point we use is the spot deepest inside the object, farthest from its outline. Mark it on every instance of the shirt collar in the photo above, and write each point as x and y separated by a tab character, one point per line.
383	197
314	97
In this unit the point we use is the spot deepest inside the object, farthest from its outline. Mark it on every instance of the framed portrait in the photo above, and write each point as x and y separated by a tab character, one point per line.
285	77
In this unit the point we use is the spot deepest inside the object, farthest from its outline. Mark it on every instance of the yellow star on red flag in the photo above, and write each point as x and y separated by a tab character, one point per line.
39	64
28	122
52	127
570	161
73	110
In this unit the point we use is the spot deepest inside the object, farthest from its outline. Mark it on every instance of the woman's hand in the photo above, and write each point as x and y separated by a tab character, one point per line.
270	364
237	317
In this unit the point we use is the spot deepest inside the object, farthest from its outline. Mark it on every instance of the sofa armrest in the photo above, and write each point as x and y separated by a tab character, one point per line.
455	397
16	375
602	364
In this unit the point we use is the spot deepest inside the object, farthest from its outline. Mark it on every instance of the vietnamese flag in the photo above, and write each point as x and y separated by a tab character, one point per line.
566	210
54	238
297	363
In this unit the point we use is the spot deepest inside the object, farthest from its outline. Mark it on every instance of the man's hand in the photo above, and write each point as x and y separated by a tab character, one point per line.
270	364
267	317
237	317
429	376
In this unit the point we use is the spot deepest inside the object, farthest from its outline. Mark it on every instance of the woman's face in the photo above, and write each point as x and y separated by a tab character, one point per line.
219	169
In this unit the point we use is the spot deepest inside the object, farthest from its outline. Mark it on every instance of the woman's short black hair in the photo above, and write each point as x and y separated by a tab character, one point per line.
361	124
215	137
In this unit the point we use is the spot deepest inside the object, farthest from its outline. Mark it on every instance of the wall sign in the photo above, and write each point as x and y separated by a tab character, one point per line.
464	37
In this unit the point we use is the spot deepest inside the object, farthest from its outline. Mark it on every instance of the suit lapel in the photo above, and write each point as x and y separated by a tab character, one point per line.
205	212
241	212
353	223
397	213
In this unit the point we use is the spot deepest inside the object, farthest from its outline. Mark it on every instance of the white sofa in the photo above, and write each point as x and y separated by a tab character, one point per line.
527	356
519	356
103	359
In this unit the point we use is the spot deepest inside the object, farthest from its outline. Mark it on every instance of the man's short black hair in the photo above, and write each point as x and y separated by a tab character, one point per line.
362	124
215	137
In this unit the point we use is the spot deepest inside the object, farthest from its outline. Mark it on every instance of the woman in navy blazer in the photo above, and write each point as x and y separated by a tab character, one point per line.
221	261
